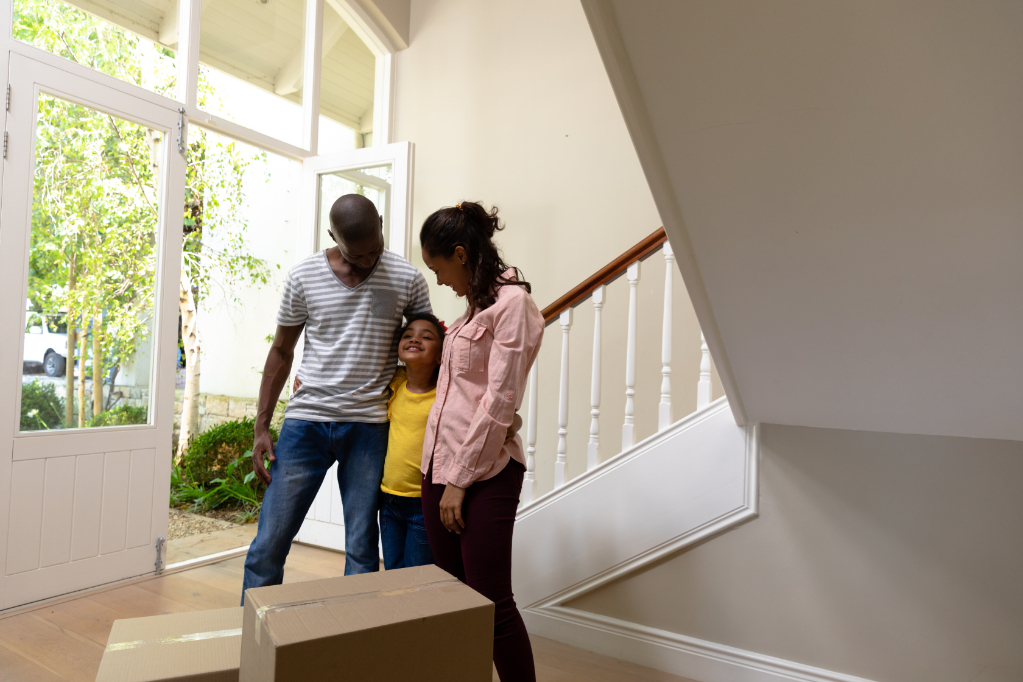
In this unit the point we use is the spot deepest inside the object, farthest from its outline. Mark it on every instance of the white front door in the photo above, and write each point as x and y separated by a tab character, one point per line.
384	174
90	238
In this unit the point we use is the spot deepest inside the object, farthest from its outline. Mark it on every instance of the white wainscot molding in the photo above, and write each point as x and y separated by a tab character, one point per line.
591	530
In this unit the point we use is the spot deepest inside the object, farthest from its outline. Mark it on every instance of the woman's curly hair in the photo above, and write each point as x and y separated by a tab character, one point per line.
472	227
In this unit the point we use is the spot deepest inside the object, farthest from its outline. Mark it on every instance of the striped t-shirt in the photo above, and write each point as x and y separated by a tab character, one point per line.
351	336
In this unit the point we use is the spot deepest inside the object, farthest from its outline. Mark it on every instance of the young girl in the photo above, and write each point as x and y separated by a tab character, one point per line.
413	390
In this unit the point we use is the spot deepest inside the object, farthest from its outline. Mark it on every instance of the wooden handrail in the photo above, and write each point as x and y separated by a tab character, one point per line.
605	275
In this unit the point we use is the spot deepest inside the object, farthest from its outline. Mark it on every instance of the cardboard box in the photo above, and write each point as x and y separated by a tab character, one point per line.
201	646
408	624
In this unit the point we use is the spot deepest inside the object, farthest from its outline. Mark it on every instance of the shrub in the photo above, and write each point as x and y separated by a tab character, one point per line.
41	407
120	416
209	454
233	488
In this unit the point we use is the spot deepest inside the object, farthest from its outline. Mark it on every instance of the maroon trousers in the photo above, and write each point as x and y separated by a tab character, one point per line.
481	558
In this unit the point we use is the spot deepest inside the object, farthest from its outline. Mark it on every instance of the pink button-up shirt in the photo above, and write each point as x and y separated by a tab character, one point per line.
483	374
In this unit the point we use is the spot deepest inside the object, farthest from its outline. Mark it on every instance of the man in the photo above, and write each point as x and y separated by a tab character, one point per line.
350	299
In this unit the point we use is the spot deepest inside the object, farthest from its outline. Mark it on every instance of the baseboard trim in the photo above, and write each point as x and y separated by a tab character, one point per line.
117	584
204	560
668	651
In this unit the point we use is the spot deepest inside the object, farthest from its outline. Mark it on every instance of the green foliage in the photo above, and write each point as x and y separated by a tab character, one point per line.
41	407
209	454
67	31
183	492
215	251
120	416
233	488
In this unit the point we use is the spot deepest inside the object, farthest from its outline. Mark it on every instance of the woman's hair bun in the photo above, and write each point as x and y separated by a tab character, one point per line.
480	218
471	226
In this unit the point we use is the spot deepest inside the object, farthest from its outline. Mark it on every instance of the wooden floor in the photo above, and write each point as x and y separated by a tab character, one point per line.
65	641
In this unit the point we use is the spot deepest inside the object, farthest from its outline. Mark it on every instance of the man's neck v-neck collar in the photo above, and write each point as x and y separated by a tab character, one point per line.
326	261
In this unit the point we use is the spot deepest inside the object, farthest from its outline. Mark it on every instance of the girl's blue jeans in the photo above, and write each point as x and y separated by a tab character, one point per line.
305	451
403	532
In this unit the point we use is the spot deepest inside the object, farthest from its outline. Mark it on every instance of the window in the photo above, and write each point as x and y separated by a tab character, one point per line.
77	32
347	79
252	58
372	182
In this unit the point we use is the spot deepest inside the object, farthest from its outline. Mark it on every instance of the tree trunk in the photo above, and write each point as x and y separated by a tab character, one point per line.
97	368
81	380
190	405
72	344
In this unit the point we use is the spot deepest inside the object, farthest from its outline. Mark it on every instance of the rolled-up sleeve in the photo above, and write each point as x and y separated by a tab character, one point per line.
516	337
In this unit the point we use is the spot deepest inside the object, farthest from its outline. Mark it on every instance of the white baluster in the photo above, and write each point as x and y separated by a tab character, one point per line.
664	419
559	465
529	484
703	387
592	456
630	360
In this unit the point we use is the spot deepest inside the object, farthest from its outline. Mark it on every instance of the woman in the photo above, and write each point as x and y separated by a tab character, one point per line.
472	475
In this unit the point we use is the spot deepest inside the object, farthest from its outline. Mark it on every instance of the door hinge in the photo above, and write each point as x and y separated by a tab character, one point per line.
8	108
5	144
181	130
161	544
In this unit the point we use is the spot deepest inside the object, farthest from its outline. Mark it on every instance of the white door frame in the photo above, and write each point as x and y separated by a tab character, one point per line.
401	156
33	455
324	523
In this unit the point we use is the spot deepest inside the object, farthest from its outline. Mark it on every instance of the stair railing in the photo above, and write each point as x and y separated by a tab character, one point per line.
594	289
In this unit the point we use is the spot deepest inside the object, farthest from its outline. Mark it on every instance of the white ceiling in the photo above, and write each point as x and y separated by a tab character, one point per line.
850	175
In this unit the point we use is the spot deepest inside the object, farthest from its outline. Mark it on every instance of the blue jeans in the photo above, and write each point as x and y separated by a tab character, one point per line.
305	451
403	532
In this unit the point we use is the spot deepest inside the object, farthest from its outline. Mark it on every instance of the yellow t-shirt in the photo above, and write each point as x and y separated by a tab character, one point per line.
408	413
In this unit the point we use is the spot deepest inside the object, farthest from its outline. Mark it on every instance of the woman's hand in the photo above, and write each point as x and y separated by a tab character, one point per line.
451	508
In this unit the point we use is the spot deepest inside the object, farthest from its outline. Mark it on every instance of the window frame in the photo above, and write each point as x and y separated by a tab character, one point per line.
185	102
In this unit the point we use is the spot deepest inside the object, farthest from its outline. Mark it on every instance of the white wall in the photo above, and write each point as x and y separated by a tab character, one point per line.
890	557
508	103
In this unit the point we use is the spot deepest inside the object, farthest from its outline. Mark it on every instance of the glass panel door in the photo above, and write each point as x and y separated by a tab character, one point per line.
384	175
91	280
90	258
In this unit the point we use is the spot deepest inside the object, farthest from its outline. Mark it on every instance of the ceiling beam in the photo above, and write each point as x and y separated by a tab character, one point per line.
168	35
289	78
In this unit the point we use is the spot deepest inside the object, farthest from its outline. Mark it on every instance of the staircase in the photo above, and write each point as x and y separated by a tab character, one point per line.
693	478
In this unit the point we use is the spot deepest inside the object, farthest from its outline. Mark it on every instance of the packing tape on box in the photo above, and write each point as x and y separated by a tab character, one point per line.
174	639
358	596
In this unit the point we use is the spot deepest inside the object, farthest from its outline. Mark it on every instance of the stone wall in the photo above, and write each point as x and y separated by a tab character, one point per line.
217	409
123	395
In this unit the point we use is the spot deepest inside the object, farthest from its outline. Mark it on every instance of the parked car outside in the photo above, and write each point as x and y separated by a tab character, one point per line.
46	344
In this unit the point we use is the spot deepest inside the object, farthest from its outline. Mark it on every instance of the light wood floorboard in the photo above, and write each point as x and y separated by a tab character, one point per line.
65	641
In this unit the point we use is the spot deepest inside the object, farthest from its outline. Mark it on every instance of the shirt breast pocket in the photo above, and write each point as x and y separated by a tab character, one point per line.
470	349
384	304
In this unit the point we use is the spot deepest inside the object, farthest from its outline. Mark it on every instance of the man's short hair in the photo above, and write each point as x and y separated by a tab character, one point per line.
354	218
